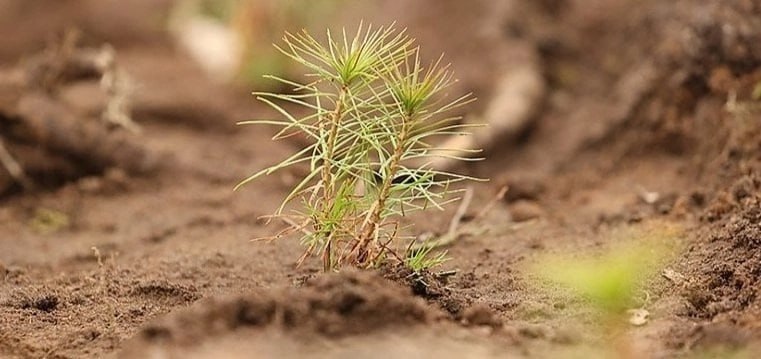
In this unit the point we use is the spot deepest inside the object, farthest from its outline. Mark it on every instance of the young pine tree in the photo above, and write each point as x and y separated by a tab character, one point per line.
369	110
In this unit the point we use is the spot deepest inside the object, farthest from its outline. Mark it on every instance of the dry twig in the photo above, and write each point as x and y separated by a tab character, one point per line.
13	167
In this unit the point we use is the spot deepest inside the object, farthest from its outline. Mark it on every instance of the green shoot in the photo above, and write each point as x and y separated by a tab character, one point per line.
423	259
611	281
369	108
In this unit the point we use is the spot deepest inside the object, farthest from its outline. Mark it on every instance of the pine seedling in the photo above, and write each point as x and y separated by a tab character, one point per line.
369	108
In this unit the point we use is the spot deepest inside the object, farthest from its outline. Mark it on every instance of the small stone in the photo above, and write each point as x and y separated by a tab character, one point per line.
649	197
522	211
638	317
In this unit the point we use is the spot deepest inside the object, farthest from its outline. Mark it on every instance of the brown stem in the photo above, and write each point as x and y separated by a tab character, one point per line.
380	204
328	188
326	257
335	121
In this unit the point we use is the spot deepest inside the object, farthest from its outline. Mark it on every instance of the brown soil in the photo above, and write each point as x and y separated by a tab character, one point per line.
638	100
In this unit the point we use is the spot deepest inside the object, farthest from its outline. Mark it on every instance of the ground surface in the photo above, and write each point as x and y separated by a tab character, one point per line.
637	102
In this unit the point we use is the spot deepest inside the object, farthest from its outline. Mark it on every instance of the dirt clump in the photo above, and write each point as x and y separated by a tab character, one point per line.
47	303
342	304
728	272
433	287
165	291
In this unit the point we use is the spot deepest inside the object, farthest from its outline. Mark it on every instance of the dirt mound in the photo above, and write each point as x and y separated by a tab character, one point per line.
728	274
337	305
723	273
437	290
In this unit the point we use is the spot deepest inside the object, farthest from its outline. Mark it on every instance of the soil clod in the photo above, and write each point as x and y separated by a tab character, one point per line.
47	303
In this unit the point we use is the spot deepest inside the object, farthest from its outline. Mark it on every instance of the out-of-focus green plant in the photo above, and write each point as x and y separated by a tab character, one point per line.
611	281
370	109
49	221
424	258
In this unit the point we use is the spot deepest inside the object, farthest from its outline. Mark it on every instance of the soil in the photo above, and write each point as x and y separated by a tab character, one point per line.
648	123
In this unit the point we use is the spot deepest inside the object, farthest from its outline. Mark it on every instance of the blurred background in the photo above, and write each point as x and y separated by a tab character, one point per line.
550	76
232	39
175	58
